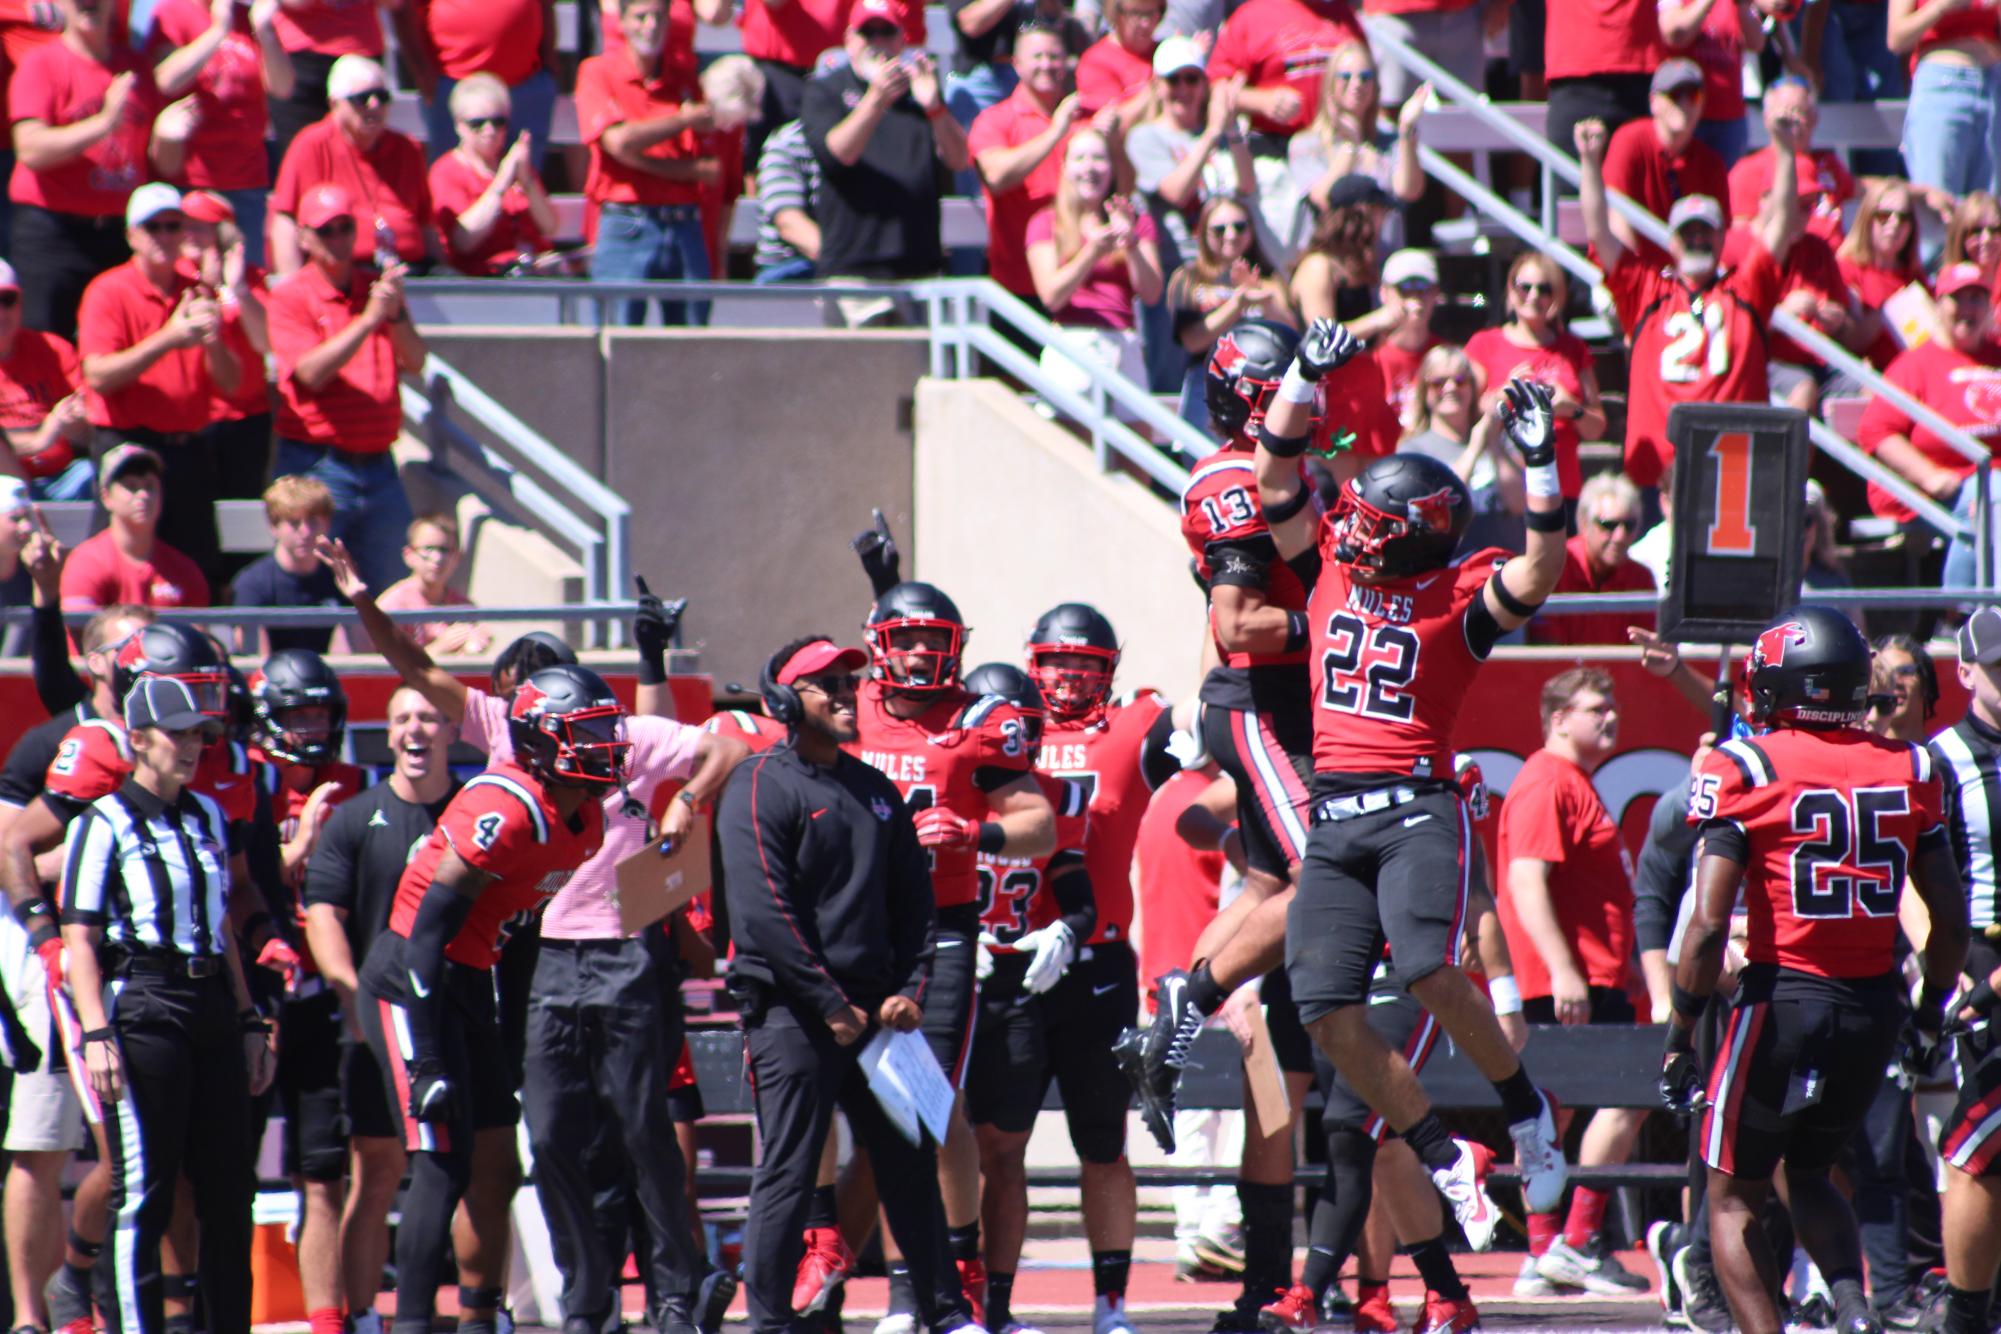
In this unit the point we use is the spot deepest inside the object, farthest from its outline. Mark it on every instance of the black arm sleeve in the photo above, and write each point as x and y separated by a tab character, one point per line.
1075	901
27	765
1244	562
913	907
1156	765
1661	879
56	682
1306	566
1482	630
440	914
1726	839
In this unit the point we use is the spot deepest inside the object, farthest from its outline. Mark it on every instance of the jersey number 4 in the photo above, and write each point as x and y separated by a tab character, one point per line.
1368	670
1847	863
486	830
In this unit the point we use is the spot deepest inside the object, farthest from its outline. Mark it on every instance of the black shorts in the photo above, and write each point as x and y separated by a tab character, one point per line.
1802	1058
1009	1065
1396	876
365	1103
470	1042
1970	1140
951	1001
1268	753
1290	1046
1083	1015
309	1055
1527	21
1402	1024
1609	1005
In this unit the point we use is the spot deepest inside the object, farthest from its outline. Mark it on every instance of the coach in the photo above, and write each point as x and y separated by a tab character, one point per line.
830	911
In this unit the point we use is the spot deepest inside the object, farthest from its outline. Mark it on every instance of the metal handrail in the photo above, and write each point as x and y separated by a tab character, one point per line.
1525	229
297	618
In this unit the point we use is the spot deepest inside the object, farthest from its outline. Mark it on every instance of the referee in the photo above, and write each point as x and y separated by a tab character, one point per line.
830	910
172	1046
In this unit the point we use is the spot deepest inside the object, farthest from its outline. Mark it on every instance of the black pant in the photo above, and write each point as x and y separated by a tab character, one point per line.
1882	1193
307	103
56	255
1612	98
601	1049
799	1074
188	491
186	1108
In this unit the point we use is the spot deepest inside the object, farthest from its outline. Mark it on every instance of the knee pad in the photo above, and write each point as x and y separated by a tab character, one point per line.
480	1299
1099	1143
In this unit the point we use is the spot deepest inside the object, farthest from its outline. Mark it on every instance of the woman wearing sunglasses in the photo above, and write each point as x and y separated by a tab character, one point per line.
1346	137
493	211
1879	258
1446	425
1973	236
1228	280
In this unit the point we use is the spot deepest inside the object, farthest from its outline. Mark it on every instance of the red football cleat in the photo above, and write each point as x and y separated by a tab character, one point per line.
1446	1317
973	1280
826	1262
1295	1310
1373	1313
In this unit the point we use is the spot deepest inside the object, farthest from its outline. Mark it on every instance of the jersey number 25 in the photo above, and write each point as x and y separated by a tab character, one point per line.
1847	863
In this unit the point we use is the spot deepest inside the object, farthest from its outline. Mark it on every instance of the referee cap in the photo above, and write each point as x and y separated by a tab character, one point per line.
1980	637
165	703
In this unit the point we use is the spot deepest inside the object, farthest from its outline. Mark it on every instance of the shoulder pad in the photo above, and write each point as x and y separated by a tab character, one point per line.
537	820
1753	764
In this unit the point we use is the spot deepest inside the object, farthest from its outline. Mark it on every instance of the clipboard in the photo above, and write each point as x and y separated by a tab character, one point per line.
649	885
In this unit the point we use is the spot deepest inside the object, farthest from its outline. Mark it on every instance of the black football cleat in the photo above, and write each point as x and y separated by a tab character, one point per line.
1151	1058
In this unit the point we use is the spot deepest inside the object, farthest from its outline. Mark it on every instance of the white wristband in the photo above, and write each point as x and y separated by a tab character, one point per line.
1296	388
1506	995
1542	481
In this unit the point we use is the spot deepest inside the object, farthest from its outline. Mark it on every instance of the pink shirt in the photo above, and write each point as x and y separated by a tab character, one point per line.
662	750
1104	300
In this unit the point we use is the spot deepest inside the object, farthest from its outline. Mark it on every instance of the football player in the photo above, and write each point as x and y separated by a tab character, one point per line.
1399	629
1034	912
1816	823
962	763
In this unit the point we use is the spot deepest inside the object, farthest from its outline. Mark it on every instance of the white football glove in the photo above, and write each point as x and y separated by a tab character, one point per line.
1054	948
1187	747
983	957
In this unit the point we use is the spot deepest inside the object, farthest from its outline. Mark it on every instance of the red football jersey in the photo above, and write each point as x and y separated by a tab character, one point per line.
1831	822
229	775
92	760
288	801
753	729
1178	885
503	823
1391	665
1220	509
1102	753
1011	899
934	760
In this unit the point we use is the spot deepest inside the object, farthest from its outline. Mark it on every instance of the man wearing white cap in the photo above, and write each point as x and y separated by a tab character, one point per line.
1410	294
1174	155
41	409
1697	331
382	170
154	364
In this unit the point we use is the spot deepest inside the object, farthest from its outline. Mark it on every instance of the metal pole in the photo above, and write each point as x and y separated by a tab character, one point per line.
1983	532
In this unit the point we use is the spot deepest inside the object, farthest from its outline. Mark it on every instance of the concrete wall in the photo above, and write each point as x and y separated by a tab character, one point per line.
1013	517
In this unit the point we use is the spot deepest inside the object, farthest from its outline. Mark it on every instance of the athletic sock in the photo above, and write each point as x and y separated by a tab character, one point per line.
1267	1240
1543	1230
326	1320
1110	1271
965	1241
1519	1098
1966	1310
1587	1215
823	1212
1000	1301
1432	1143
89	1250
1203	992
1319	1271
1434	1265
902	1292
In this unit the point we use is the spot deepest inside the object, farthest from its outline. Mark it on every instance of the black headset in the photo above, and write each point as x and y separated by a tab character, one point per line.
781	702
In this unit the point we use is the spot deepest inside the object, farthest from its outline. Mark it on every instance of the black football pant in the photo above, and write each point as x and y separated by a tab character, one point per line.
798	1075
186	1109
602	1043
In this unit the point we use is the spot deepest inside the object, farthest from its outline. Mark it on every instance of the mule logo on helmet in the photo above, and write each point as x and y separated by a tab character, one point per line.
1228	358
1433	512
1772	644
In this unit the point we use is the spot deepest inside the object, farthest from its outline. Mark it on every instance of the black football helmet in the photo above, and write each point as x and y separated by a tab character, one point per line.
1809	668
1081	629
1015	686
181	652
1401	515
293	680
1244	369
901	664
526	656
568	728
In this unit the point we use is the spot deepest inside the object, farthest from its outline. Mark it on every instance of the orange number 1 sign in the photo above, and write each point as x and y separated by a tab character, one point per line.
1731	532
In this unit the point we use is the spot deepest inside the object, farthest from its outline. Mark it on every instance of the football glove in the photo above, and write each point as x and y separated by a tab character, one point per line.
1530	421
657	623
1918	1048
1326	346
433	1098
1054	948
939	828
1681	1085
881	561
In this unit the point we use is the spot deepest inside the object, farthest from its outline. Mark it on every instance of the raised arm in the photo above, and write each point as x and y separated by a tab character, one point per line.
1282	491
1521	586
403	654
1591	139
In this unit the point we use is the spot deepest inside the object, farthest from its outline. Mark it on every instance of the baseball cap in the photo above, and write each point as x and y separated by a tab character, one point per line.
353	74
1695	208
1355	188
1410	266
1980	637
1177	53
817	657
323	203
207	206
14	496
150	201
166	703
121	457
1956	278
9	280
1675	74
876	11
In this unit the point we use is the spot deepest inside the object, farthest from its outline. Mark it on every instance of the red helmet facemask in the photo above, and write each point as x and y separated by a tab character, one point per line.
590	745
1071	691
1362	532
909	667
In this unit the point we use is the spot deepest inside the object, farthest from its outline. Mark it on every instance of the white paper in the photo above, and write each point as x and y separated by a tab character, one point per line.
906	1080
1909	315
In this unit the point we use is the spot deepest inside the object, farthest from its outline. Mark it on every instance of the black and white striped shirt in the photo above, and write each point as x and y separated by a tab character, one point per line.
153	874
1969	752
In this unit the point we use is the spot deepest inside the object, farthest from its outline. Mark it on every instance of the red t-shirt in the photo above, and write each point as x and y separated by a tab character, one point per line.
1684	355
1102	755
1628	576
1177	884
330	27
500	37
1009	124
57	86
610	92
1980	21
1586	37
726	147
1871	287
227	149
1638	166
1964	389
1399	372
457	182
360	409
1553	814
98	575
253	392
1824	187
388	184
1810	267
1719	49
1355	399
1561	365
1415	6
41	371
797	32
1108	73
1274	42
121	308
1104	300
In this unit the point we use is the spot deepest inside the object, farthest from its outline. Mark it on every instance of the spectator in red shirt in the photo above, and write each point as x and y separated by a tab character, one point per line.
1595	561
1597	56
1655	161
1972	233
492	208
1566	905
82	110
41	404
1282	48
1117	71
1015	146
219	252
1716	34
1534	345
230	58
154	363
316	34
641	117
1879	258
1400	328
340	334
128	562
1825	185
381	170
514	41
1811	288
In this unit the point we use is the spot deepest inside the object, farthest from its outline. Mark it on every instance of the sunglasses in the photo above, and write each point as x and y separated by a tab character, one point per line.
372	97
833	685
1355	76
1983	229
1893	215
1228	228
1690	93
162	227
1881	703
1416	287
9	300
1186	78
486	122
1449	382
876	32
1613	525
1535	289
338	227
